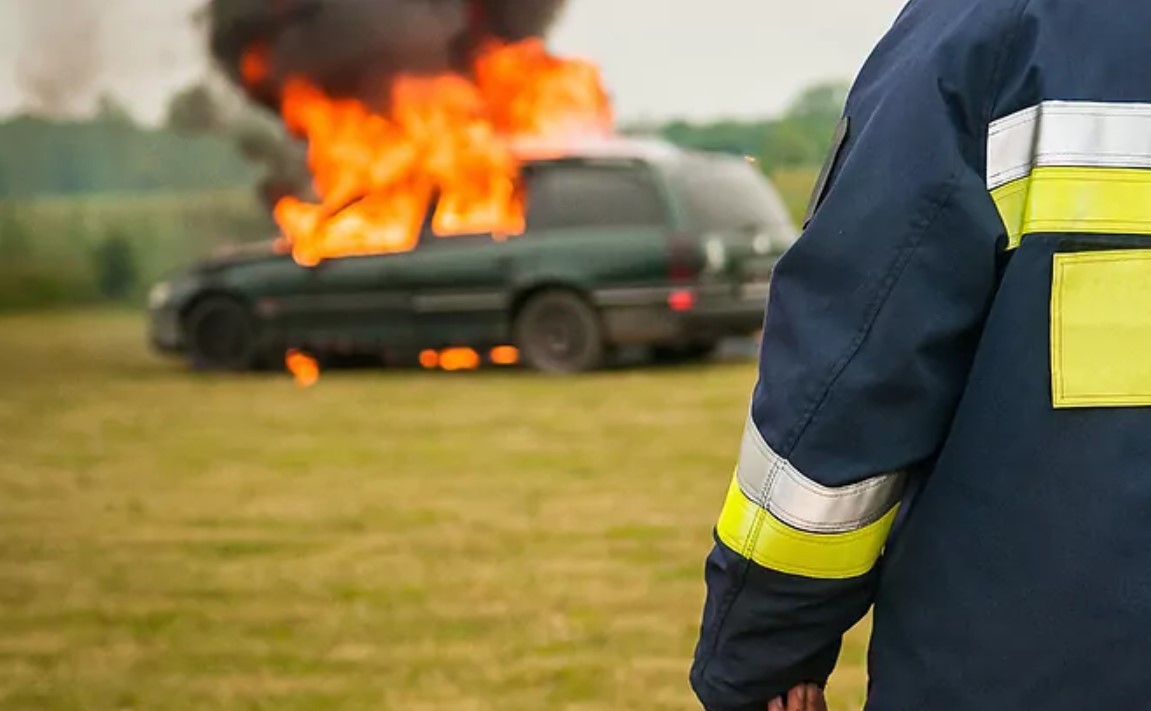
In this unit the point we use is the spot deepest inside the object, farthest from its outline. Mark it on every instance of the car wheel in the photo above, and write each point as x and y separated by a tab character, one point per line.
559	332
221	336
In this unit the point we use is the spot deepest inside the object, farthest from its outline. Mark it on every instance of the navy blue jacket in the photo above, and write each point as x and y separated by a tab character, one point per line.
951	421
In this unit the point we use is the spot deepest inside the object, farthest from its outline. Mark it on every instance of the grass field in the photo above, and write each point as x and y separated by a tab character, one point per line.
386	541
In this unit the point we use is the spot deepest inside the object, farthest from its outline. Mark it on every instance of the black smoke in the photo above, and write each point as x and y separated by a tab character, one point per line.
354	47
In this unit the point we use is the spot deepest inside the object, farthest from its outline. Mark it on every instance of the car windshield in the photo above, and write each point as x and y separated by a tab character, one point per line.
729	194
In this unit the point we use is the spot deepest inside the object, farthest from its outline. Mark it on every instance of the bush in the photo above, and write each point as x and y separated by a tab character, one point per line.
63	251
115	265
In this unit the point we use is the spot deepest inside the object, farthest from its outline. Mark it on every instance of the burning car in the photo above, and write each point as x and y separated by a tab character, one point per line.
468	195
624	243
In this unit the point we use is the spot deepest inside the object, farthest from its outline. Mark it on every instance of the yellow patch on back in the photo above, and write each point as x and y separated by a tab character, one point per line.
1101	329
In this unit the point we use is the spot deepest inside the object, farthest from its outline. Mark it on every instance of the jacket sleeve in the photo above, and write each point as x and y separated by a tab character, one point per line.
874	317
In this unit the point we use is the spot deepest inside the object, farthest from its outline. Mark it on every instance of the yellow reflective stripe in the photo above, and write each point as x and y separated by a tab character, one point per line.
1011	199
748	529
1082	200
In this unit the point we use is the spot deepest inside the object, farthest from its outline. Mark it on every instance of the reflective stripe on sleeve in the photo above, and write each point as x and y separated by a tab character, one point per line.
1072	166
783	520
1080	134
796	500
749	530
1077	200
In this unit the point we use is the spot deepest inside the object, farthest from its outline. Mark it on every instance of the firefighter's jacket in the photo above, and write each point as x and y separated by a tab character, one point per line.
951	421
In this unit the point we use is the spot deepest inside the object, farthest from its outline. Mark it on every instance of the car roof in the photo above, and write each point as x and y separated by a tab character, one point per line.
607	148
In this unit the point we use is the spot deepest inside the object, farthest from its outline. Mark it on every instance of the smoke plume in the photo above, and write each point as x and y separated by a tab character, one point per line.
215	106
354	47
58	66
349	47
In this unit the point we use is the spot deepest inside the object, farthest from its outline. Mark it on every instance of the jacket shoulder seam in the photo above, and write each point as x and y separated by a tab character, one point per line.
995	89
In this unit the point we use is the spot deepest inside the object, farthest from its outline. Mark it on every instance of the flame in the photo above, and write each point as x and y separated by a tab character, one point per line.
256	64
505	355
532	94
430	359
454	359
445	138
303	367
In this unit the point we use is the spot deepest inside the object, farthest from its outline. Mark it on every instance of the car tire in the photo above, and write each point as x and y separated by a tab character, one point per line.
559	332
221	336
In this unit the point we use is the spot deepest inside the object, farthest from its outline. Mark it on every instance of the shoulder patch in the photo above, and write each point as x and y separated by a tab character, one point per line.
838	140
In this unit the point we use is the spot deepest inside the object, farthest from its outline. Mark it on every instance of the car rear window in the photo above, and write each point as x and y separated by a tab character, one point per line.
729	194
592	194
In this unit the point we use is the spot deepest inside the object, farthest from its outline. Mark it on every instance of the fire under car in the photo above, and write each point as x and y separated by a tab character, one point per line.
627	243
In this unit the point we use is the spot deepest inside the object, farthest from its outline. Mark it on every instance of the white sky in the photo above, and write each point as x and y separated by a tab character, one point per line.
696	59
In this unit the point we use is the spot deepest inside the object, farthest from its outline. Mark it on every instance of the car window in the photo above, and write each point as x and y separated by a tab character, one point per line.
430	240
579	194
727	194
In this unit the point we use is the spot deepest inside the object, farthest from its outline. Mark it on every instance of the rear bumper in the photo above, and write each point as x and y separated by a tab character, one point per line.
644	317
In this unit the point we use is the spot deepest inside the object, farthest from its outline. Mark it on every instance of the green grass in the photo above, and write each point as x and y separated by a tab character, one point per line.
387	540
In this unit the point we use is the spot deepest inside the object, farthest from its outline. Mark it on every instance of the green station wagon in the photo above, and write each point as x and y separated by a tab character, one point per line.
628	243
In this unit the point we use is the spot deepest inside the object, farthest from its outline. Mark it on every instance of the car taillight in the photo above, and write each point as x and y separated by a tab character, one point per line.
685	258
681	300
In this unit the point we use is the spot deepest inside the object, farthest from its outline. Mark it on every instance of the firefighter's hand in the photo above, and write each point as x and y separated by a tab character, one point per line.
805	697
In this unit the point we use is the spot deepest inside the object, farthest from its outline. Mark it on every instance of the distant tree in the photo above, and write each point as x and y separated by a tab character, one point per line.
798	138
822	102
802	136
111	111
790	143
117	275
735	137
193	110
108	153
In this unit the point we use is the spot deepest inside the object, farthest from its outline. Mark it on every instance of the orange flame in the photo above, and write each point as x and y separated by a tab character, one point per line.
256	64
446	138
505	355
303	367
454	359
430	359
532	94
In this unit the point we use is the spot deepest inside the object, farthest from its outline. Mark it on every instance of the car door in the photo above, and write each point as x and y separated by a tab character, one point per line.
459	288
358	304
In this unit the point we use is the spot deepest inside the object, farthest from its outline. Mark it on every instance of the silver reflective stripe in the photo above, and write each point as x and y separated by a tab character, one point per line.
1083	134
771	481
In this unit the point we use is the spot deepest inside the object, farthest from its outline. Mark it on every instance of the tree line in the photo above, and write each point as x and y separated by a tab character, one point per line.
110	153
799	138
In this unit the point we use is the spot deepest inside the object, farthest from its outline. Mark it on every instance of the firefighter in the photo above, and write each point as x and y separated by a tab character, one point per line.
951	423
